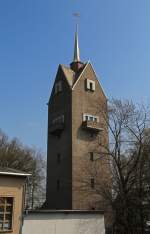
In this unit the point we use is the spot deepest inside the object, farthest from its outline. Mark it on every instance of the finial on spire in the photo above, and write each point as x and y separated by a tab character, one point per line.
76	57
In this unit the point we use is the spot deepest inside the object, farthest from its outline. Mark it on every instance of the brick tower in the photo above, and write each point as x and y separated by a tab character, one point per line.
75	130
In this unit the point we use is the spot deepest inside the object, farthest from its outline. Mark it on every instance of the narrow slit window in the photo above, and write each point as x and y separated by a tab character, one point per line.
92	183
91	156
58	158
58	185
90	85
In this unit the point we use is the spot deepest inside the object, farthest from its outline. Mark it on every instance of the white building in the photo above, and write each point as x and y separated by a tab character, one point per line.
63	222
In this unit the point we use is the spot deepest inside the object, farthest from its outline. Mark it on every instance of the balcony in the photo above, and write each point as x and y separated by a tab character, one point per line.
56	128
92	126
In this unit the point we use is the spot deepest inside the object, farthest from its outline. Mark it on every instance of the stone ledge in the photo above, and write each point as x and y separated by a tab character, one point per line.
64	211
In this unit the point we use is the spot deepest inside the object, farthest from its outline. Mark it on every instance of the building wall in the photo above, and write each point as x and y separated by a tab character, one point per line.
83	143
63	223
59	104
13	187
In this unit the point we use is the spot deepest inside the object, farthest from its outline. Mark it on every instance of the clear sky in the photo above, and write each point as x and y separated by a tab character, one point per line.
37	35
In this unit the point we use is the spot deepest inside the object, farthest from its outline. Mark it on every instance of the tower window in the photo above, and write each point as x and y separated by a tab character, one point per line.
90	85
91	156
58	185
87	117
95	119
58	158
6	210
58	87
92	183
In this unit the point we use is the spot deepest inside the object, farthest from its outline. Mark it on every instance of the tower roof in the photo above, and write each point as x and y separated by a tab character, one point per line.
76	57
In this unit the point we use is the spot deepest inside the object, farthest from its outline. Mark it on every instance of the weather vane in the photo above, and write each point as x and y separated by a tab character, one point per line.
77	16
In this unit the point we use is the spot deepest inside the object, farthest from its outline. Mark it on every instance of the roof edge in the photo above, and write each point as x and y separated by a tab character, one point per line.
64	73
98	80
15	174
80	75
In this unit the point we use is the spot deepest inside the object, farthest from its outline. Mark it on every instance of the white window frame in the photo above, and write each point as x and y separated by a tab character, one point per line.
6	225
89	117
89	83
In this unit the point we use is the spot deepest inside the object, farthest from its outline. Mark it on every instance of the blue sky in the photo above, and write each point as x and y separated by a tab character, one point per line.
37	35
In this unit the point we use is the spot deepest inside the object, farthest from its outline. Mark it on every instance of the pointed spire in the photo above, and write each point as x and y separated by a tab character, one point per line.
76	65
76	57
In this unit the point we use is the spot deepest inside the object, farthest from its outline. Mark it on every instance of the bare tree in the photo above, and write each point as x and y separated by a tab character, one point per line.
127	125
15	155
126	187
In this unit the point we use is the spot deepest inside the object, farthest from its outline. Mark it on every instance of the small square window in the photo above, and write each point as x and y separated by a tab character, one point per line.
93	208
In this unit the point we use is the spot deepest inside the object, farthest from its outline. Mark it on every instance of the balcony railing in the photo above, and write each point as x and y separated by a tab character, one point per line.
56	129
92	125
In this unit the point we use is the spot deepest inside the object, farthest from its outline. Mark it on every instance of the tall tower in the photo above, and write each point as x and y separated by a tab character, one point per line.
76	129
